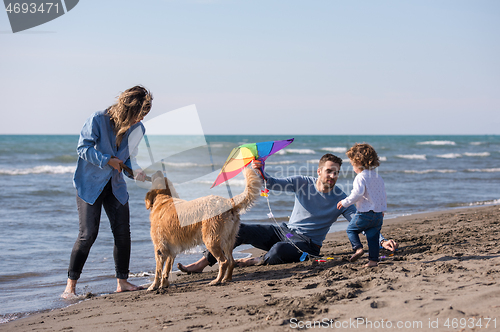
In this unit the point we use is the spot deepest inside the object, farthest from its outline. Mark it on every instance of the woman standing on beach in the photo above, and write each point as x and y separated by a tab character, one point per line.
104	146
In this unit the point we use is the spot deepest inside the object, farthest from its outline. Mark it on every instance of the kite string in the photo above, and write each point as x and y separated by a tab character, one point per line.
271	215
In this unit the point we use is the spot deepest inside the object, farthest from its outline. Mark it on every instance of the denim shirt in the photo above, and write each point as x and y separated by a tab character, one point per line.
96	146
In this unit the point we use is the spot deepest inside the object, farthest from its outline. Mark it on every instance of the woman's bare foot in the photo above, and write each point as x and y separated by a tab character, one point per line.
196	267
70	291
357	255
371	264
124	286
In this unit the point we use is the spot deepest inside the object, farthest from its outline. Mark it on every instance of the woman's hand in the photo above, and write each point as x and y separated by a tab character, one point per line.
139	175
115	163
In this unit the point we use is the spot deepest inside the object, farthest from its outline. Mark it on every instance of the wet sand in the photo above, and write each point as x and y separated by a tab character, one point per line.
443	278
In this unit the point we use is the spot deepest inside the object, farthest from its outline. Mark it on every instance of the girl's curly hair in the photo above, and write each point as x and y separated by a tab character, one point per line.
364	155
133	104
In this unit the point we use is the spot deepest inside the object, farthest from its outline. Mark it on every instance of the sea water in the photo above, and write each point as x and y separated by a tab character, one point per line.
39	220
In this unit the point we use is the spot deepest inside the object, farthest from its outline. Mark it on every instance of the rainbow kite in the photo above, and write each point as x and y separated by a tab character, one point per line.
243	155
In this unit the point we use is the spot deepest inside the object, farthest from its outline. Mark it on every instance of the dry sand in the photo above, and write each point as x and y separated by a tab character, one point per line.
443	278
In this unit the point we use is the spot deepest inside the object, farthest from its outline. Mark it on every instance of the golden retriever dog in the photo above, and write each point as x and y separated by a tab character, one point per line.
178	225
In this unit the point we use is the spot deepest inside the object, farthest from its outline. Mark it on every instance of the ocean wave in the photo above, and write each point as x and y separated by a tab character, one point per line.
18	276
449	155
39	170
476	143
48	193
437	143
426	171
64	159
216	145
483	170
195	250
284	162
412	156
382	158
10	317
477	154
235	183
491	202
186	164
313	161
297	151
140	274
335	150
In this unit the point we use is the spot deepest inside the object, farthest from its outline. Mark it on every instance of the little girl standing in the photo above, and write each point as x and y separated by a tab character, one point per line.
368	193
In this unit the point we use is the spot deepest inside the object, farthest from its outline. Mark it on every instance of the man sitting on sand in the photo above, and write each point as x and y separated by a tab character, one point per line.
314	211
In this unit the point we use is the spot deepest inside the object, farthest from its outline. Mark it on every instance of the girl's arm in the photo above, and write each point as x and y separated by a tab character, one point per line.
358	190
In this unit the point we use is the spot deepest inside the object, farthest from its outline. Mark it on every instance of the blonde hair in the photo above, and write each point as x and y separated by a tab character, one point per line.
132	105
363	155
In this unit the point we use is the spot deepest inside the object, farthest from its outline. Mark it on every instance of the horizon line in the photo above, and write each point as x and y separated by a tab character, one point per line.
73	134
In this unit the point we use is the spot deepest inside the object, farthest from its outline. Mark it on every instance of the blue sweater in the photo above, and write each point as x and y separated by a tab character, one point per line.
96	146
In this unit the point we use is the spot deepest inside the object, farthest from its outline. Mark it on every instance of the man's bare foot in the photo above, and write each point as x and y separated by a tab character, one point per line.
356	255
124	286
188	269
243	262
371	264
70	291
196	267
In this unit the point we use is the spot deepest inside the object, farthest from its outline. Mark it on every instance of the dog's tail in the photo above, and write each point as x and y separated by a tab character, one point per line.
248	197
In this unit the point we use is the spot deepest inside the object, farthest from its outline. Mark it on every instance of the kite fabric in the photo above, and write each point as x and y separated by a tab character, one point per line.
243	155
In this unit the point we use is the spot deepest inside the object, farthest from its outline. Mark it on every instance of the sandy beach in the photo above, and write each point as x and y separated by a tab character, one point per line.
443	278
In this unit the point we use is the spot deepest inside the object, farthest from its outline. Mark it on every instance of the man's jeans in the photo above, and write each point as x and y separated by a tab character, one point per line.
276	241
369	222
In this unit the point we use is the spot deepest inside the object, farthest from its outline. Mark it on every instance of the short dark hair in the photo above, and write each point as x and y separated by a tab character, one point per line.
364	155
329	157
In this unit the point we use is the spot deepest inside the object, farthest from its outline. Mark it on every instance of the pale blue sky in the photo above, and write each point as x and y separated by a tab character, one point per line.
262	67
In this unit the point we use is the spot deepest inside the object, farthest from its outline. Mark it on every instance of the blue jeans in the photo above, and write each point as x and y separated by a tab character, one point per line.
369	222
274	240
